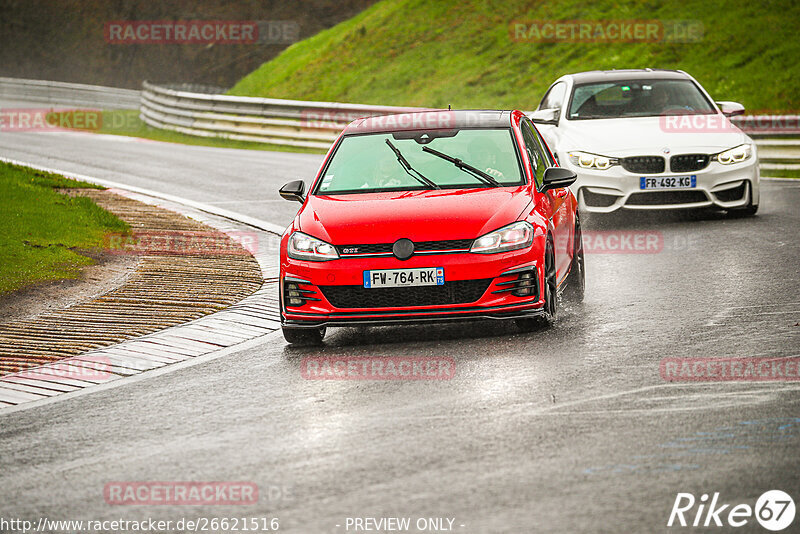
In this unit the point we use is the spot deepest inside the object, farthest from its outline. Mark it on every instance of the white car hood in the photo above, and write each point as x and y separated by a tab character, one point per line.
643	136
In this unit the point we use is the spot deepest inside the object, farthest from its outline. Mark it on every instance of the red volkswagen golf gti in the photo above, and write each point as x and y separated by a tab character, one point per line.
432	216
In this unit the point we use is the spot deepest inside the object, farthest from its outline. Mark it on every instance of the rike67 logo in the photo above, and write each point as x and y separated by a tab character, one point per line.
774	510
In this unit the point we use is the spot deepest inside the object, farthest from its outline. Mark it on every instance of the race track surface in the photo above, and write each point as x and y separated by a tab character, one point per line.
568	430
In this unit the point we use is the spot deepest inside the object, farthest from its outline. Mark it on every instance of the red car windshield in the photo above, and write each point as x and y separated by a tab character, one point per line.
367	163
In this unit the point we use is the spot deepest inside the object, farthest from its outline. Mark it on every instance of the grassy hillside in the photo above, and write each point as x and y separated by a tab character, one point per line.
434	53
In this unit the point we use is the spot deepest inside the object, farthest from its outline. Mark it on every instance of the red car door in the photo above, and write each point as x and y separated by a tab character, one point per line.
560	211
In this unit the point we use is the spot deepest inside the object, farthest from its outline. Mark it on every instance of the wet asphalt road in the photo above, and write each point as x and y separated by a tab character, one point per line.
242	181
567	430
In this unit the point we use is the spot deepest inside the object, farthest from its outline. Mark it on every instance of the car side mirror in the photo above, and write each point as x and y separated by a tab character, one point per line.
545	116
557	177
294	191
731	109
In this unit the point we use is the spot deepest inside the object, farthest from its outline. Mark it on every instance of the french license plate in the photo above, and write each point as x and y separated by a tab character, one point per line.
427	276
668	182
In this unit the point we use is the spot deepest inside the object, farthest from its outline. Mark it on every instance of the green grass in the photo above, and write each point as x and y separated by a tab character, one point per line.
424	53
126	122
781	173
43	231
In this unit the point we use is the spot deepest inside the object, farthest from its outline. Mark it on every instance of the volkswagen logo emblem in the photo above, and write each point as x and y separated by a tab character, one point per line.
403	249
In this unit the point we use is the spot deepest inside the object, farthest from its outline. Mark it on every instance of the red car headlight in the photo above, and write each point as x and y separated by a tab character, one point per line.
511	237
304	247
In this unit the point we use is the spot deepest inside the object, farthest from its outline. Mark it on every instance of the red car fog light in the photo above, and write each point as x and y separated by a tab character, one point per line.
526	283
294	295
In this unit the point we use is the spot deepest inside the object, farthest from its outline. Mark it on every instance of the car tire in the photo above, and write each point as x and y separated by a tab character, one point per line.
550	296
749	210
303	336
576	282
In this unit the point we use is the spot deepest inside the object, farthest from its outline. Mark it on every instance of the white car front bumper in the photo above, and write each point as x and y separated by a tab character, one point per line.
722	186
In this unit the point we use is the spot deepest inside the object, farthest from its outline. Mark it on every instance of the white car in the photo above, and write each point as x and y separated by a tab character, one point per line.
649	139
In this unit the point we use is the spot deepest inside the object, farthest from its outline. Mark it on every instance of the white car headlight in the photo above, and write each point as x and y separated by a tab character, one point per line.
735	155
304	247
591	161
511	237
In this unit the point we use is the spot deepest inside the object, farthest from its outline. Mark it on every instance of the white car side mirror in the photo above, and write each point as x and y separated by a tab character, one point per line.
731	109
545	116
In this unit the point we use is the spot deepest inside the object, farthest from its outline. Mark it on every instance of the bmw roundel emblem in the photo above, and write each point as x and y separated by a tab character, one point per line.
666	150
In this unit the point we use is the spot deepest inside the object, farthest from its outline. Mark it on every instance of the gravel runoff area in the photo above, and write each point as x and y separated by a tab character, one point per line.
186	270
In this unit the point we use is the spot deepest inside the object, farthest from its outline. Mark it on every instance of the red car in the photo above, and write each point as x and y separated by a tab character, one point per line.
447	215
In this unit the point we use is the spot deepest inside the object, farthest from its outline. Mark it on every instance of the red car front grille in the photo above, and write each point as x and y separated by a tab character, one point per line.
386	248
456	292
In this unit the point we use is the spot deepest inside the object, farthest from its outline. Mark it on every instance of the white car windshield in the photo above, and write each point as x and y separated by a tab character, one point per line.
637	98
413	160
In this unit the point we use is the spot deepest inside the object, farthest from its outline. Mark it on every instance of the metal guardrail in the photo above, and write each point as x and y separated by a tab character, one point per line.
202	111
316	124
777	138
67	94
775	154
264	120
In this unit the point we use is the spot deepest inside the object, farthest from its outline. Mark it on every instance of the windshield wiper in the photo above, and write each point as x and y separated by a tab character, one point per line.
418	176
466	167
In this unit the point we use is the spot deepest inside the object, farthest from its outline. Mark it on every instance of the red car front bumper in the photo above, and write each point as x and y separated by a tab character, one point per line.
495	286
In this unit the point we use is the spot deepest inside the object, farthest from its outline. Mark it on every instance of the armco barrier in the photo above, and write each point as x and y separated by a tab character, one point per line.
67	94
266	120
316	124
201	111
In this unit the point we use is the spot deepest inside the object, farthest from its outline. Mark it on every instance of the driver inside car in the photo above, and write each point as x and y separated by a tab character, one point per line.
484	156
385	176
659	98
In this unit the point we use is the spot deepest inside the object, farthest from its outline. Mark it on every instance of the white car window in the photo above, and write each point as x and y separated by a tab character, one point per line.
637	98
554	98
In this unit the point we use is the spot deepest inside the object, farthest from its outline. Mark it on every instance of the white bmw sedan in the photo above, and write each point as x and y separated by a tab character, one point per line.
649	139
